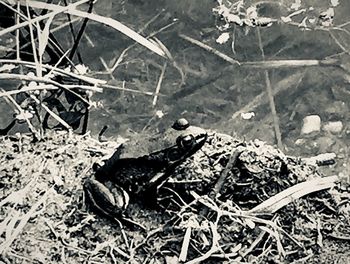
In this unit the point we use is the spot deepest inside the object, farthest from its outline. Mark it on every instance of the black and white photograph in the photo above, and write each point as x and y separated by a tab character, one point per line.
175	131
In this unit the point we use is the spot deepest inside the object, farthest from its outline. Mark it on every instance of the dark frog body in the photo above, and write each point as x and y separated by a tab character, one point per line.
140	177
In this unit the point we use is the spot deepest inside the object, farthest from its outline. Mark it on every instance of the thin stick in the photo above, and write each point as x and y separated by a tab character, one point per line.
279	87
54	115
278	64
125	89
266	64
12	76
58	71
58	63
159	85
17	33
231	162
32	38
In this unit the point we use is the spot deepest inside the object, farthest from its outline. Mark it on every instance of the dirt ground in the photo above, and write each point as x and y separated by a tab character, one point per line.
44	217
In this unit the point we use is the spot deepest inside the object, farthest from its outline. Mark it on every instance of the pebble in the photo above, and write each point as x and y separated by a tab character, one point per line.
311	123
334	127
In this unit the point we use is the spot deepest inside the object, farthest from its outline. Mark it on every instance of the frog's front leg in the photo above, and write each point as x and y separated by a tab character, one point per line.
106	165
111	200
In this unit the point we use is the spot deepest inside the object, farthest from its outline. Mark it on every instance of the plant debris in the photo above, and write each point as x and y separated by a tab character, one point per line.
44	217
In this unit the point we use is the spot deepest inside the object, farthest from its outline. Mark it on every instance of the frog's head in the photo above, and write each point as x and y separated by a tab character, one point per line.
183	133
188	142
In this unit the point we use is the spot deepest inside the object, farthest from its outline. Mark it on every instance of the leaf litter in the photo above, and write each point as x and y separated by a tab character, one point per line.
44	218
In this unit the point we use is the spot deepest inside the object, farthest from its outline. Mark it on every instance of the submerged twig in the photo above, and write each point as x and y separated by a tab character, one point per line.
262	98
159	84
271	98
210	49
266	64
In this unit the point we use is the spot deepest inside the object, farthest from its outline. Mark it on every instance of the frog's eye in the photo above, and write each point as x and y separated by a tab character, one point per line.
185	141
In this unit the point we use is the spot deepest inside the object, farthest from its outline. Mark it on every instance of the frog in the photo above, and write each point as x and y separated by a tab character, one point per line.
123	178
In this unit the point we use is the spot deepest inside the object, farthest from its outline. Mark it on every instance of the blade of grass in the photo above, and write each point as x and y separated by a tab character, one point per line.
70	9
297	191
275	118
56	10
11	224
43	36
122	28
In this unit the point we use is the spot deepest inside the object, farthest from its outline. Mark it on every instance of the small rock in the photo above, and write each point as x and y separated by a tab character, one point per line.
334	127
300	141
311	123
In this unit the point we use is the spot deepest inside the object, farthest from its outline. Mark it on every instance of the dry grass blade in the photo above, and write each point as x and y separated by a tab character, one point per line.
122	28
56	10
275	235
269	90
32	40
283	198
231	163
185	244
126	89
278	64
16	196
44	36
104	20
11	224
